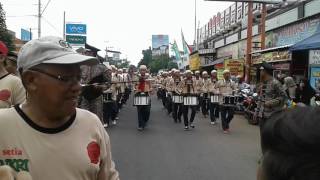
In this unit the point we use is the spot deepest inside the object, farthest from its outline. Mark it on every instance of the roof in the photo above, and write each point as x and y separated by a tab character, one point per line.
312	42
272	49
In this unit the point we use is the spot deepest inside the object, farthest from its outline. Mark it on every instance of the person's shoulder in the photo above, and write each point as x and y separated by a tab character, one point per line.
12	78
87	117
6	115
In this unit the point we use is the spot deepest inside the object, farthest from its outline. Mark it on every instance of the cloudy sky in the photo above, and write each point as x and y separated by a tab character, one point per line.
125	25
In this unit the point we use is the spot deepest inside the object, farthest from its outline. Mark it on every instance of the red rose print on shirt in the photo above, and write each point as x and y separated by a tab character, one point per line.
5	94
93	149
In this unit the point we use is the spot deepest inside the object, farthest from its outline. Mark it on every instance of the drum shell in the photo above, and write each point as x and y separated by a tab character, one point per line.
190	100
141	99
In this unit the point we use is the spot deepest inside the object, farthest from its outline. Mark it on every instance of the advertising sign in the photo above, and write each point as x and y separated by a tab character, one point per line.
236	67
315	78
76	29
314	57
26	35
194	62
160	40
220	74
73	39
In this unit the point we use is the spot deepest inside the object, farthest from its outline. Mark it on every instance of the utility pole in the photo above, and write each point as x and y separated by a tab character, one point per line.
39	19
195	22
263	26
64	25
249	43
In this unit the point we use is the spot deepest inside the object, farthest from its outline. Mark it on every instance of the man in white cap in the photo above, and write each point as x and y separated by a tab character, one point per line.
226	87
172	88
206	85
187	87
48	136
214	107
163	87
143	87
199	83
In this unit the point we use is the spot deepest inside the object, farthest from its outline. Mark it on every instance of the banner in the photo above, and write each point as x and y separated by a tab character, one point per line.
72	39
236	67
314	57
26	35
176	51
220	74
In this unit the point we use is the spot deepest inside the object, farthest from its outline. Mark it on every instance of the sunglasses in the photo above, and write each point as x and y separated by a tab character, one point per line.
64	79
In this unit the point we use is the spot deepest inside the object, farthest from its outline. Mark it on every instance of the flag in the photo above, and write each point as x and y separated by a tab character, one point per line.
186	48
176	51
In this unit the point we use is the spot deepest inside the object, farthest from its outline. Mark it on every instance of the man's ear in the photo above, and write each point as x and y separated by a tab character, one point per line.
29	80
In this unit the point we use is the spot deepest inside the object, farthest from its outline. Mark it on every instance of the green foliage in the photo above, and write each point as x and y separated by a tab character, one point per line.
4	35
156	63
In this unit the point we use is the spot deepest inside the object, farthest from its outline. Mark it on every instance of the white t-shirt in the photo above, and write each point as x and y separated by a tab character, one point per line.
78	150
12	91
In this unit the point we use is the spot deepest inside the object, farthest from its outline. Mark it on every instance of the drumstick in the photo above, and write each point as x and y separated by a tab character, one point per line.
23	175
107	83
6	173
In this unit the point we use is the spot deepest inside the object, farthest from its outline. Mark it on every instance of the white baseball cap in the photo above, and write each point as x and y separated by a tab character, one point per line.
50	50
213	71
226	71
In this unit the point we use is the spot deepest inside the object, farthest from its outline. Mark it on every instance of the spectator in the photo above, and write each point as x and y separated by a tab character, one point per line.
292	143
49	137
11	88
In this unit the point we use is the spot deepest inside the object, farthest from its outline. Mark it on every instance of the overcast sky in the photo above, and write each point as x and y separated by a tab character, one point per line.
125	25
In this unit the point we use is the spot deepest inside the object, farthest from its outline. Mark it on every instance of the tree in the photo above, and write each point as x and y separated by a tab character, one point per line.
147	57
172	64
4	34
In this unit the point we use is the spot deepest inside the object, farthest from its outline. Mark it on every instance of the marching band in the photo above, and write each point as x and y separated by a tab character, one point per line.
179	93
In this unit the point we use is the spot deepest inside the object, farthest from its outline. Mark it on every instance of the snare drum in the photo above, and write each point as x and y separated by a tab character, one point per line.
214	98
229	100
141	99
107	97
190	100
239	99
177	99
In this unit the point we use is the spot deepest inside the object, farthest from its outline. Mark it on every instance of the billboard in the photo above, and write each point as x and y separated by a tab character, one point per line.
74	39
160	40
315	78
26	35
76	28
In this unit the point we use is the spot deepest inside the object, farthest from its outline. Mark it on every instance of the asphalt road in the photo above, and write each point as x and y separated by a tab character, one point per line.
165	151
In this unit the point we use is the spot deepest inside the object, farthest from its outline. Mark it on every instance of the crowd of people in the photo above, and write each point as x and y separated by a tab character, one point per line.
42	88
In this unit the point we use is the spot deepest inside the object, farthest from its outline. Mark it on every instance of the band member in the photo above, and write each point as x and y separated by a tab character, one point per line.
214	107
199	84
127	90
109	101
169	90
122	88
163	89
187	87
226	87
143	87
172	88
206	83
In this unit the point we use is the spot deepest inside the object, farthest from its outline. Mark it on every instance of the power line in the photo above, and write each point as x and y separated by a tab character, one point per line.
56	29
45	7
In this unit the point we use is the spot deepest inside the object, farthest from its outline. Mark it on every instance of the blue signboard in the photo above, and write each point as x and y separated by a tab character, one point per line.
25	35
315	78
160	40
76	28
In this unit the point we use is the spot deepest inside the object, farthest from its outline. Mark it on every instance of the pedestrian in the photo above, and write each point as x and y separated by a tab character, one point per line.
188	88
109	101
143	90
272	96
291	141
48	136
12	91
214	106
11	63
226	88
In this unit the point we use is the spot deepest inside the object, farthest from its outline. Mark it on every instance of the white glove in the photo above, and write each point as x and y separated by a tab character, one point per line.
6	173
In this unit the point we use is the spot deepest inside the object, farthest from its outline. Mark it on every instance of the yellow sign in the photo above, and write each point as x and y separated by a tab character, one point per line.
194	62
220	74
236	67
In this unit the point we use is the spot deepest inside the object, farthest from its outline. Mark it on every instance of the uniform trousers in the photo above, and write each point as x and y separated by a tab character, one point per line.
214	111
227	113
108	111
186	113
177	111
143	115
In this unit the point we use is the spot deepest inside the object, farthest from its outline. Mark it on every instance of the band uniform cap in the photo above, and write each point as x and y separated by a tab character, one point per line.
204	72
109	67
188	72
50	50
197	72
143	67
213	71
113	67
3	49
226	71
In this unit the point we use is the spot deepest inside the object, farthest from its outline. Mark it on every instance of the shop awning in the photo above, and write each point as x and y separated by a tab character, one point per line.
312	42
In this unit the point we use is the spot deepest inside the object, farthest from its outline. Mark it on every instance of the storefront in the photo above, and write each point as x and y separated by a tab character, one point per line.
280	58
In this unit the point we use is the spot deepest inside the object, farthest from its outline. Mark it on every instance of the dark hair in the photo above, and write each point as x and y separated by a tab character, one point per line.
291	141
